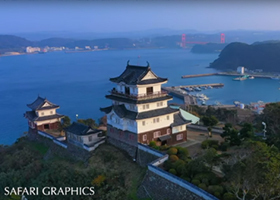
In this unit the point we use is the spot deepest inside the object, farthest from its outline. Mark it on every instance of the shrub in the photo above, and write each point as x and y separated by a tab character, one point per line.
202	186
173	158
183	153
173	171
163	148
224	146
228	196
186	178
215	181
98	181
152	144
209	144
167	165
195	182
215	188
172	151
205	181
217	194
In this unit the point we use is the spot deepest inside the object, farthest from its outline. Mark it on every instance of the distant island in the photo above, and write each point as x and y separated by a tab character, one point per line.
260	55
208	48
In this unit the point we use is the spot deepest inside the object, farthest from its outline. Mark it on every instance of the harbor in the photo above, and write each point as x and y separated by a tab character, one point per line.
183	92
255	75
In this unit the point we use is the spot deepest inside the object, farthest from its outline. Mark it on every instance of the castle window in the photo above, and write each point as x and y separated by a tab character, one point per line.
146	106
167	117
90	138
149	90
168	131
143	123
42	113
159	104
179	137
156	134
156	120
51	112
144	137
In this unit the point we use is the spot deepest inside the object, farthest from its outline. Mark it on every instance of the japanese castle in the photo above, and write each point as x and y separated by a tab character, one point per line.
139	112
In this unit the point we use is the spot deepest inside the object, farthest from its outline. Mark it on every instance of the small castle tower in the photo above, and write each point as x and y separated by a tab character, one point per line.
43	115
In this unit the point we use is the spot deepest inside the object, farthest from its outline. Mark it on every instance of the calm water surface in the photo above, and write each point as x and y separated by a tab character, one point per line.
78	82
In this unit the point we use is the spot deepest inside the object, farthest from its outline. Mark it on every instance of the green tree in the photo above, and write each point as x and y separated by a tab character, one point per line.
231	135
89	122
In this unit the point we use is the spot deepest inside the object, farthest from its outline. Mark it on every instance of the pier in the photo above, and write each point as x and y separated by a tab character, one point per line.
177	93
198	75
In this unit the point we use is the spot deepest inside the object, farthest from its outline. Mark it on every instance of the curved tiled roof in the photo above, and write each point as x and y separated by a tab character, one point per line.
133	75
122	112
81	129
39	102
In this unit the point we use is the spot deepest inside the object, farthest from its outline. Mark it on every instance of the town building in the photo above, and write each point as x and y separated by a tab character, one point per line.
82	135
32	49
240	70
140	113
43	115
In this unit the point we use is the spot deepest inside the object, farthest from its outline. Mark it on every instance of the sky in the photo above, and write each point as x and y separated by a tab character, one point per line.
135	15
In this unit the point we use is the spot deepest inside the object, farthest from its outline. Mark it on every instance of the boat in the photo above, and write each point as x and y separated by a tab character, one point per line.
251	77
236	102
188	89
197	89
242	78
209	87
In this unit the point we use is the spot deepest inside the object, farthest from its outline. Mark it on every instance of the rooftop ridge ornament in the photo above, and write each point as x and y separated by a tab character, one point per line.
148	64
127	63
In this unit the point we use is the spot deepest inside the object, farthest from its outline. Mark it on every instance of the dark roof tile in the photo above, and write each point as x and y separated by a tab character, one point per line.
81	129
132	75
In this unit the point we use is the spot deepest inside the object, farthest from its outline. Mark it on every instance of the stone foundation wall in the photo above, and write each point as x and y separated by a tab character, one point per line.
72	151
158	188
131	150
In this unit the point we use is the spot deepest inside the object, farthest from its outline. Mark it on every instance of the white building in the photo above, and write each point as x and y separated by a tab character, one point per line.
32	49
139	110
240	70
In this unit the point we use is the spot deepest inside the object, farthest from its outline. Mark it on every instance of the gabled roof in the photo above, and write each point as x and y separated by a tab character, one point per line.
179	120
122	112
133	75
80	129
39	103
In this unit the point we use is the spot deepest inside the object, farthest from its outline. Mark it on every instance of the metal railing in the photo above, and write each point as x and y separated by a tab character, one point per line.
139	96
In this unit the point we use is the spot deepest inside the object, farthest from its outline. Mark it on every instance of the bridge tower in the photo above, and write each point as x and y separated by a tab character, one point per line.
184	40
223	37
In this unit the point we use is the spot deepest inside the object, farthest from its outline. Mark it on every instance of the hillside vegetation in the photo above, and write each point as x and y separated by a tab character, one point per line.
264	55
112	174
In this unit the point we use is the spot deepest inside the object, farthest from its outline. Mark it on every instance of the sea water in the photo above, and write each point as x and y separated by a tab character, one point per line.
78	82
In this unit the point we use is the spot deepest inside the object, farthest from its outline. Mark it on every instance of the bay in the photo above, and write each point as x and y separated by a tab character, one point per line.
78	82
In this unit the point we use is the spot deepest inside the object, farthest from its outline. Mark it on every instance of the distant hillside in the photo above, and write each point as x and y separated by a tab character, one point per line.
264	55
208	48
13	43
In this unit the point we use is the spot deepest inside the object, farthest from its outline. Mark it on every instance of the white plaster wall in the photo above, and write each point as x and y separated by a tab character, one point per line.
152	106
124	124
150	125
47	121
176	129
46	112
86	141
